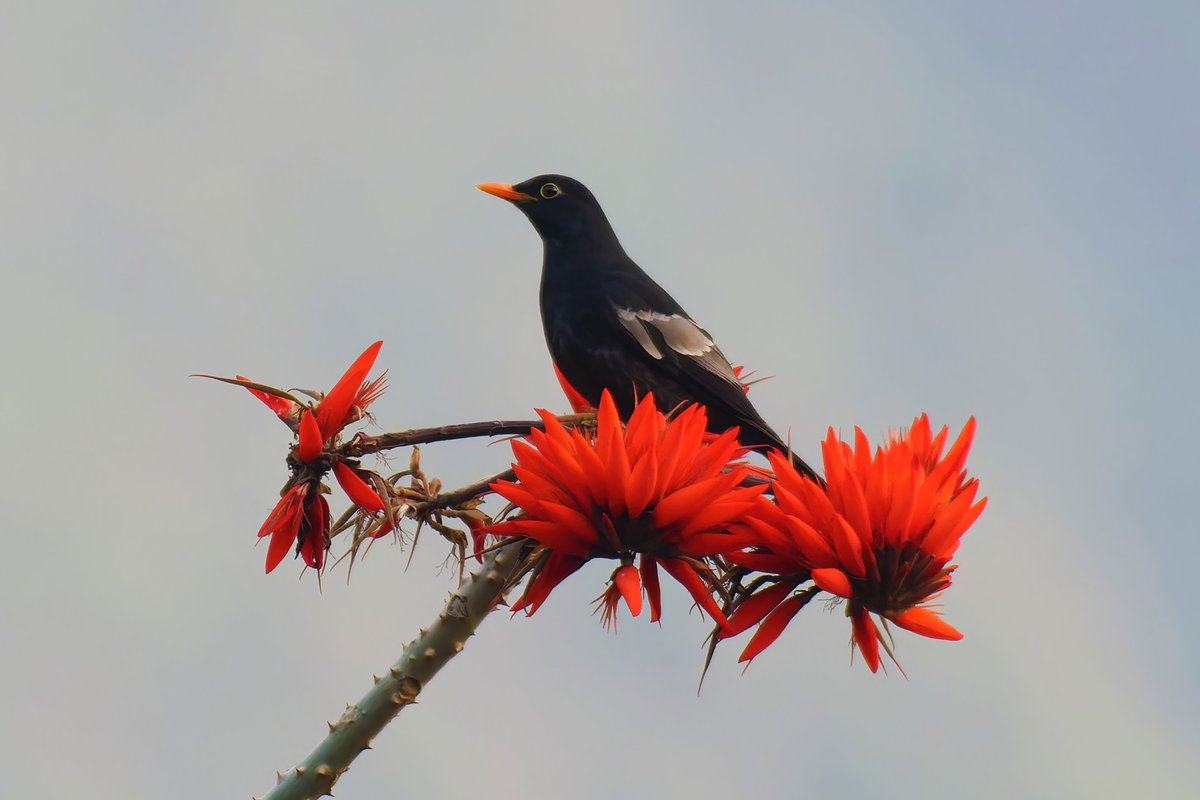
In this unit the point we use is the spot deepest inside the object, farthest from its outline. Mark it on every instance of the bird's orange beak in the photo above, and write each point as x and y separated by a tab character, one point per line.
505	191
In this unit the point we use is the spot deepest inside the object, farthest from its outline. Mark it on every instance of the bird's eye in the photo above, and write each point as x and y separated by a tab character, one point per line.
549	191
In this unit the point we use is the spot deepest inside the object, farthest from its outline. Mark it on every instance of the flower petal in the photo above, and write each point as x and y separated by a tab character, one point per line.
755	607
833	581
630	585
335	406
359	491
771	627
650	582
283	524
282	407
701	592
558	567
311	441
866	636
926	622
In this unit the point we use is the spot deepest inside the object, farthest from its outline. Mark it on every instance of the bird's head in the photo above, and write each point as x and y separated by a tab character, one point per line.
560	208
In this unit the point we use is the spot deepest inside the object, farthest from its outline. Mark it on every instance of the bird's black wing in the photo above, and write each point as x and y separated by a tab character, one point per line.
667	334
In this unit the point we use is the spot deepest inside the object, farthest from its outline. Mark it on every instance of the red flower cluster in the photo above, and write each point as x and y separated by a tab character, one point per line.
659	490
301	517
881	535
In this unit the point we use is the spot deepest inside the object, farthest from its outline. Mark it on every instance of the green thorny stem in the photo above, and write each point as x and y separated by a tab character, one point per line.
441	641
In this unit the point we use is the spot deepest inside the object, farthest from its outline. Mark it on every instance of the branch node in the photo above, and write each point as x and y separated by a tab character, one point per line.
456	608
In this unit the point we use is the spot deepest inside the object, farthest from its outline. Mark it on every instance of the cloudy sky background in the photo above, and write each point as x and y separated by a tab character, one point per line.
985	211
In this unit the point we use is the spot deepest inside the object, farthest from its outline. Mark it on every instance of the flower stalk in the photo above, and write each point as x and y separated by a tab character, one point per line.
445	638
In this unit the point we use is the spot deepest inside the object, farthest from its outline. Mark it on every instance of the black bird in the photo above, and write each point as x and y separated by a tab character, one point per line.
610	326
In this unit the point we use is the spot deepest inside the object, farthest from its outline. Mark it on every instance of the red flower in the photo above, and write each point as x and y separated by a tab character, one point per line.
301	517
880	534
345	403
658	489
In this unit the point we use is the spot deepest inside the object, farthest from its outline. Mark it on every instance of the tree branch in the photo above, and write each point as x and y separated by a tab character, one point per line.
364	445
441	641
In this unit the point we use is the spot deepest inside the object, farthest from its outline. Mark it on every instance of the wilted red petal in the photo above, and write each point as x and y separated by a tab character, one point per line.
771	627
478	537
311	442
630	586
927	623
358	490
314	531
335	406
650	581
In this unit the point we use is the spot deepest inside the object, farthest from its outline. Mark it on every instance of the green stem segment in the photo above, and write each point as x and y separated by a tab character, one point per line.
441	641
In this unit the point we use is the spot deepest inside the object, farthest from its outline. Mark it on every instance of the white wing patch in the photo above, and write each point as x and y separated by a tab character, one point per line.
678	333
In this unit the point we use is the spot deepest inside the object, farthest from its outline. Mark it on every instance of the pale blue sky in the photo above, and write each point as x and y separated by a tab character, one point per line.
985	211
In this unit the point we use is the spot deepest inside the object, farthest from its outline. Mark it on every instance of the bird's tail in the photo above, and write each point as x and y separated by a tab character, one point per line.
763	438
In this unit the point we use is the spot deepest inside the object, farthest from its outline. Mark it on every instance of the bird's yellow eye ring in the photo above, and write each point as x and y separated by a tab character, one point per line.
549	191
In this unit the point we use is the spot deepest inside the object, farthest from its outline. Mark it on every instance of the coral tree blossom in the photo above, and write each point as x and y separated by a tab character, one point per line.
658	490
880	534
301	516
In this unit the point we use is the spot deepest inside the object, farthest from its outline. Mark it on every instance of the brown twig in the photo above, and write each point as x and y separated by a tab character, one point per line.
364	445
